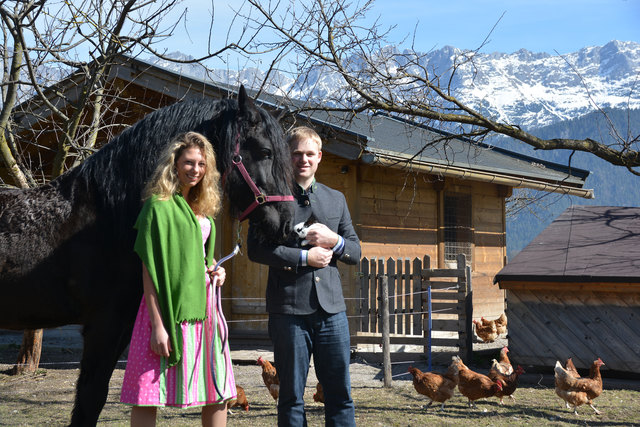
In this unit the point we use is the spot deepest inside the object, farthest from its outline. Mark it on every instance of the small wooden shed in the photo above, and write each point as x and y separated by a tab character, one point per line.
412	190
574	291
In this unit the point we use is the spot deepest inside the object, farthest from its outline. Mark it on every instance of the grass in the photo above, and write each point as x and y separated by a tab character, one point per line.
46	398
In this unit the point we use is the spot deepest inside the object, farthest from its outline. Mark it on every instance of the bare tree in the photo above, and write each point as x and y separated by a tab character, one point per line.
332	37
46	41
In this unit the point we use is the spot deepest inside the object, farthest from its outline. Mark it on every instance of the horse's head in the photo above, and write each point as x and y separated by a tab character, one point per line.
257	171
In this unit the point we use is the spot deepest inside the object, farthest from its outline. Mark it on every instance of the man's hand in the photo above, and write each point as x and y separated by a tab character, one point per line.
321	236
319	257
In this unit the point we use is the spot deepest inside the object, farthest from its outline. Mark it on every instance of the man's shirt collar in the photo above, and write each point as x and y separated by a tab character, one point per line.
312	188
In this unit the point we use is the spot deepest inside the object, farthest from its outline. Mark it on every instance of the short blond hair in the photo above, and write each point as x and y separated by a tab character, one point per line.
300	133
205	197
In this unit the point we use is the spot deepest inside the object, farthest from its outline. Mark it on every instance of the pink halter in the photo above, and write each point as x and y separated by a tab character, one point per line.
260	197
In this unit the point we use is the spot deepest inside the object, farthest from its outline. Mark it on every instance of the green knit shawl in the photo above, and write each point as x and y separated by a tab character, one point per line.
169	243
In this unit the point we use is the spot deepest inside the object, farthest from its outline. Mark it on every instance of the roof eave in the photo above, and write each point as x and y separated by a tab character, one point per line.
406	162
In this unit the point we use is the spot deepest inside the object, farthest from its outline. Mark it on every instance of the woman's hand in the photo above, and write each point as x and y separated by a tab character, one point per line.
220	273
159	342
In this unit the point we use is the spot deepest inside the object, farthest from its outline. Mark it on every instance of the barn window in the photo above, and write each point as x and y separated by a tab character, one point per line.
457	226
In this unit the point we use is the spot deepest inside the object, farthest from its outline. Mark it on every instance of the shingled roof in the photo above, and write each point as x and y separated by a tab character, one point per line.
584	244
402	143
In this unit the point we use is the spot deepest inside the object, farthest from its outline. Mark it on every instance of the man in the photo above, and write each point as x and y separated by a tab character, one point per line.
307	313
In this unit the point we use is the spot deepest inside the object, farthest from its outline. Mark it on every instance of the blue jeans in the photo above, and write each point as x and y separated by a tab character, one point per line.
295	338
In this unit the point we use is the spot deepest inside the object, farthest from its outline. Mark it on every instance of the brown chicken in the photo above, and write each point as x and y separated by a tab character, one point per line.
578	391
487	333
503	365
435	386
318	396
500	323
474	385
270	377
240	400
509	382
571	370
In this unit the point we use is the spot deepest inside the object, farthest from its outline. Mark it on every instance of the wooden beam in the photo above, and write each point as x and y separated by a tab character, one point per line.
629	287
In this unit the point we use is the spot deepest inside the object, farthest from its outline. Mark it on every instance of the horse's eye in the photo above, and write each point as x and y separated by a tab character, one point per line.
266	153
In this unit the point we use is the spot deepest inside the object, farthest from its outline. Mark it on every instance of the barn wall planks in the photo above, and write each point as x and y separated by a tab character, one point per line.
398	216
549	325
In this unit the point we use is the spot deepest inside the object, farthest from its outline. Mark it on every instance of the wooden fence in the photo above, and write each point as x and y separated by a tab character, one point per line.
411	322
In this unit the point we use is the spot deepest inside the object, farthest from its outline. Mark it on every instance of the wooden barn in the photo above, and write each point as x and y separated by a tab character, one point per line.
574	291
412	191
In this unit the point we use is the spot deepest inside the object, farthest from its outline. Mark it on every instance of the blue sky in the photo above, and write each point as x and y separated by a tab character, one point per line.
550	26
539	26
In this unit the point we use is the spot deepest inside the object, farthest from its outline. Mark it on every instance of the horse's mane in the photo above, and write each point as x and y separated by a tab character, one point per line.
281	153
118	171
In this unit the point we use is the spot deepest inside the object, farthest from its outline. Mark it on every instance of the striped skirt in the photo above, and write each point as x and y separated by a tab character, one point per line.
149	382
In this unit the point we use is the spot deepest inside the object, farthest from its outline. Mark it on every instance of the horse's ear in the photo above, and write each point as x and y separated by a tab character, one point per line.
246	105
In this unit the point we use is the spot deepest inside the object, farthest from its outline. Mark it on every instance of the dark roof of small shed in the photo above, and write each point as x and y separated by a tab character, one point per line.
584	244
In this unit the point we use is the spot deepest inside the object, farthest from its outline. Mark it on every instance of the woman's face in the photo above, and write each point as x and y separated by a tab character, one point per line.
191	167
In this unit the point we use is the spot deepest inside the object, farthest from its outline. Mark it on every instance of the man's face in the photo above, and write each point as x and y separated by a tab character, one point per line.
305	156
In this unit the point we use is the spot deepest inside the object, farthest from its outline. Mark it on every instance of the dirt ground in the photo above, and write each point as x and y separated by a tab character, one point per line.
46	398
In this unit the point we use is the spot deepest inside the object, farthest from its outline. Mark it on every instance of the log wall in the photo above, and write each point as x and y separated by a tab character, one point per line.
546	325
399	215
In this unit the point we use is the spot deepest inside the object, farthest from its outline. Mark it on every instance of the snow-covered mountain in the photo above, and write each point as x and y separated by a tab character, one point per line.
540	89
527	88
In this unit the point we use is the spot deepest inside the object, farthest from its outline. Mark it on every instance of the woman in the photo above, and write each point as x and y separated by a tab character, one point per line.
177	355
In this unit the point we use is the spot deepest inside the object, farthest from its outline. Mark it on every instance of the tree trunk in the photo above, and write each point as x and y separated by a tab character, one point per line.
29	356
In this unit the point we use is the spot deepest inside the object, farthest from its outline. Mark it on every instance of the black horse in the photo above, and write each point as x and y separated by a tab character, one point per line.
66	252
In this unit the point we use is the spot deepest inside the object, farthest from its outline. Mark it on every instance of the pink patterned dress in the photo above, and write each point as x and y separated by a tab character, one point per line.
204	374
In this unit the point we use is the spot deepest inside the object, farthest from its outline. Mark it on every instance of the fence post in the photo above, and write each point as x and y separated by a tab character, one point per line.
386	341
465	340
392	286
469	313
430	322
426	322
365	309
416	278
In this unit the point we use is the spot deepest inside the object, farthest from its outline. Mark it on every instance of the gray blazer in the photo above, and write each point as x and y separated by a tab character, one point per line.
293	289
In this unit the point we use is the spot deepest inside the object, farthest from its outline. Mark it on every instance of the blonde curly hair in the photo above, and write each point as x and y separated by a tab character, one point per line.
205	198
